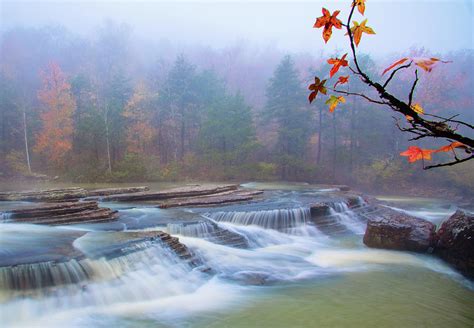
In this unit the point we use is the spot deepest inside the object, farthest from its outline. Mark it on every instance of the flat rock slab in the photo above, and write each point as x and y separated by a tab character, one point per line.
399	231
227	197
181	192
65	194
60	213
456	242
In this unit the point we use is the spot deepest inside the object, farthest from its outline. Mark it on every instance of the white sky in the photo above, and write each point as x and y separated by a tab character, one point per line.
436	25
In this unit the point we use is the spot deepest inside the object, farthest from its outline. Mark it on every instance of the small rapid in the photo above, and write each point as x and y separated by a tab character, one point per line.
277	219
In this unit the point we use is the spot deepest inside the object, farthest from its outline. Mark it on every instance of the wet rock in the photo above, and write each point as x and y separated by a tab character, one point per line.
187	191
65	194
62	213
456	242
394	230
344	188
319	209
354	201
252	278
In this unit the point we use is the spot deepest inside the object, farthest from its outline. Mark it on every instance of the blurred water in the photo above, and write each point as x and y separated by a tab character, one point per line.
290	274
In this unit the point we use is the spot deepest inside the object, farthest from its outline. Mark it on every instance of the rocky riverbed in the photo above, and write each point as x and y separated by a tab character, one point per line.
214	255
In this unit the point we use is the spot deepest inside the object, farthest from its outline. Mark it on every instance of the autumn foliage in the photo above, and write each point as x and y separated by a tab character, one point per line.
55	138
419	122
140	132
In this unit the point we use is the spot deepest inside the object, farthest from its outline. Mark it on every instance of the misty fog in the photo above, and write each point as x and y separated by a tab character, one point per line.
225	54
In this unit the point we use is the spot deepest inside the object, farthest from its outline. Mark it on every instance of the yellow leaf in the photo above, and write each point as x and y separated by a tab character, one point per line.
333	101
357	30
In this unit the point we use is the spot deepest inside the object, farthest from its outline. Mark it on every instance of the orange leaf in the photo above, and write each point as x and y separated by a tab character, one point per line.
333	101
428	64
360	5
337	63
357	30
328	21
416	153
397	63
451	147
342	80
317	86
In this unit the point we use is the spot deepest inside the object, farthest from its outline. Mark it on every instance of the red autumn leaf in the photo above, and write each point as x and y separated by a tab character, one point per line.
337	63
416	153
451	147
328	21
342	80
397	63
317	86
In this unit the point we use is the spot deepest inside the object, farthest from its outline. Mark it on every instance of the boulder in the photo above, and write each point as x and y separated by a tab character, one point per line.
456	242
399	231
319	209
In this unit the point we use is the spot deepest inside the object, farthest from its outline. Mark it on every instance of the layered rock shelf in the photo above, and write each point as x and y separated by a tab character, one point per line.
181	192
65	194
61	213
233	196
77	267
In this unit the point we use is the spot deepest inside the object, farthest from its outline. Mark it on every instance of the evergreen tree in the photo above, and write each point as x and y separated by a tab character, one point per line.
286	104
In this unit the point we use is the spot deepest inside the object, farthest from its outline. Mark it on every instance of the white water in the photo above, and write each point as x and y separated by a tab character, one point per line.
153	284
347	217
277	219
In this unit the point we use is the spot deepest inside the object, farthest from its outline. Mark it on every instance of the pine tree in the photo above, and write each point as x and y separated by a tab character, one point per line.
286	105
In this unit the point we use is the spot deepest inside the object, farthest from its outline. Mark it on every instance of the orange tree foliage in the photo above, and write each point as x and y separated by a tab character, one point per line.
140	132
416	120
55	138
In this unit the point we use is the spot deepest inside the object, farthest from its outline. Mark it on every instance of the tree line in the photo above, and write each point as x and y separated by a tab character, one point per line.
112	108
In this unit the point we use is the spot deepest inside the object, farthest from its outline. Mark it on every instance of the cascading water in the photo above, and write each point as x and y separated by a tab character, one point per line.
119	281
346	217
211	231
152	273
278	219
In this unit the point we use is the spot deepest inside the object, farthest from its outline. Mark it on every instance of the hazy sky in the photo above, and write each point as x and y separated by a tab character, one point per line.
437	25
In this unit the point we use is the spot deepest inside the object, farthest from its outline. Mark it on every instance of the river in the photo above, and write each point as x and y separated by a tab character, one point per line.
291	273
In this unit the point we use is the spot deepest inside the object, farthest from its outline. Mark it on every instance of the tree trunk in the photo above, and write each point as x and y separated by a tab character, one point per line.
26	140
183	131
320	136
106	121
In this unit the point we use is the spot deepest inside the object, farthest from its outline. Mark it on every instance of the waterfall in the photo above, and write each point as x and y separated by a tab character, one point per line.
150	274
74	271
278	219
201	229
345	216
210	231
5	216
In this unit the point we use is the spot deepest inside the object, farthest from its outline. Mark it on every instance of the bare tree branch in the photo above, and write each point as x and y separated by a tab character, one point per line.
410	97
359	95
395	72
449	163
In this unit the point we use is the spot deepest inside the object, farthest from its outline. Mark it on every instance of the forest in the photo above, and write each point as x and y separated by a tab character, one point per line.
115	108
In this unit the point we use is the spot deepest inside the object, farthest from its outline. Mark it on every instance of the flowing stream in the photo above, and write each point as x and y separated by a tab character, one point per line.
262	264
